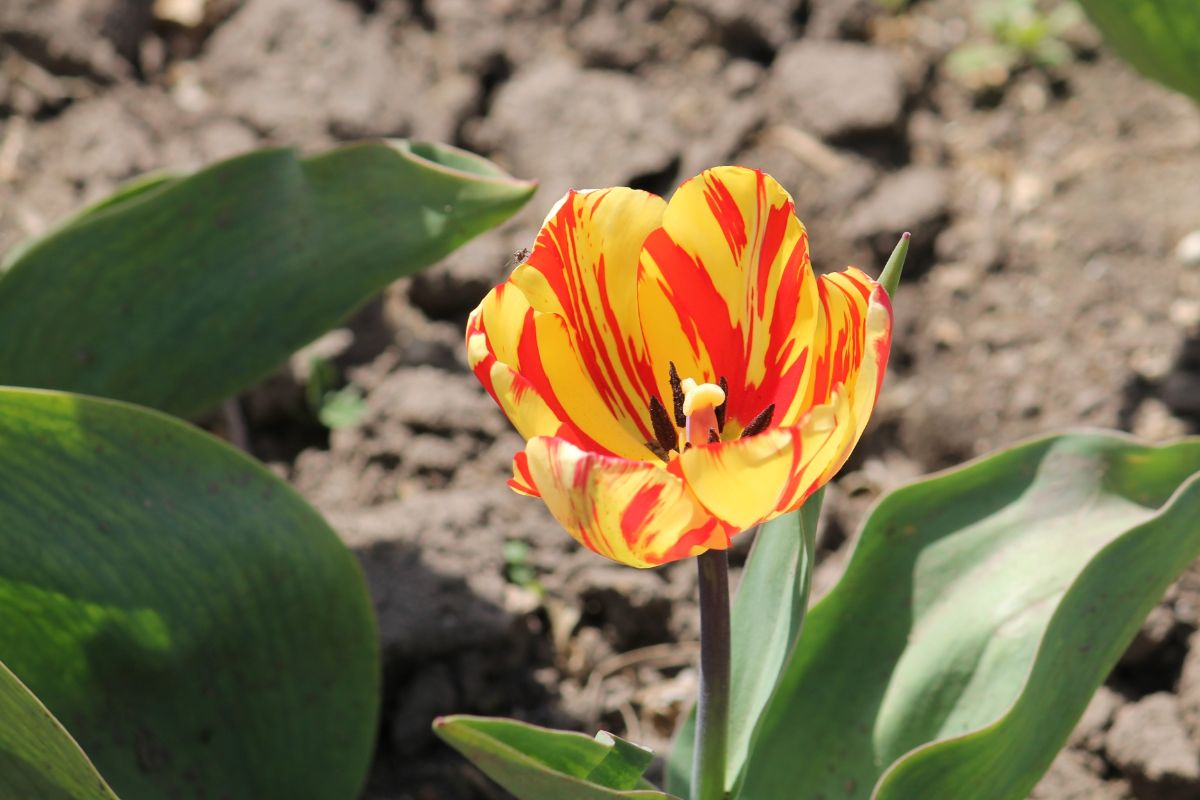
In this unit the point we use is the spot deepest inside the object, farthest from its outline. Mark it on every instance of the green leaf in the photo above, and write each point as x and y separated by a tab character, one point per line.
980	611
889	279
344	408
196	625
1161	38
178	292
542	764
768	611
38	758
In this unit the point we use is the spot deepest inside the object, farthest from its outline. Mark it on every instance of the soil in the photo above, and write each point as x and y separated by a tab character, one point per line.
1050	286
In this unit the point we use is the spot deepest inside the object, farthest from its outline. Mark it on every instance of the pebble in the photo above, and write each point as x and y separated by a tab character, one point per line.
1150	746
836	89
1188	249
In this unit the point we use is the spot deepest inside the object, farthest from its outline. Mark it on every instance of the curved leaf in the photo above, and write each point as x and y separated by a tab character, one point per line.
38	758
1161	38
767	613
196	625
1001	591
537	763
178	292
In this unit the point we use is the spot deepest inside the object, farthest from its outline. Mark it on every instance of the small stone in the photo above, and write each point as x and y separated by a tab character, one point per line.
836	89
185	13
1076	776
1188	249
578	128
376	93
1185	312
1154	422
1026	191
96	38
1150	746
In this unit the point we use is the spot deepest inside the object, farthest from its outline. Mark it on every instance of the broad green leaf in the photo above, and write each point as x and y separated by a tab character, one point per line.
178	292
542	764
197	627
981	610
767	614
38	758
1161	38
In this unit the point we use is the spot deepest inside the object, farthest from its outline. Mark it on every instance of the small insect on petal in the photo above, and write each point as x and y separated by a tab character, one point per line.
518	258
759	423
713	436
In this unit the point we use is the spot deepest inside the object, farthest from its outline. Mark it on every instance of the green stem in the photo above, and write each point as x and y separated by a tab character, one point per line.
712	707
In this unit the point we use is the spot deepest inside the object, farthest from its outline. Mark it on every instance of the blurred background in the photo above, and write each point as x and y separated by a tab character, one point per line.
1054	282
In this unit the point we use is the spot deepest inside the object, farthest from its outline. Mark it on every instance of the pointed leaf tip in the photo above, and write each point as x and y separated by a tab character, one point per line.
890	278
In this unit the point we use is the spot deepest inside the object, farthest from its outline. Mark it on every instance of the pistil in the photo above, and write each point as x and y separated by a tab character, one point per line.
700	410
700	404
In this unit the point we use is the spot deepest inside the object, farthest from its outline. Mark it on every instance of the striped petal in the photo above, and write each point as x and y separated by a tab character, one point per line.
583	351
747	481
493	332
726	288
866	385
850	346
630	511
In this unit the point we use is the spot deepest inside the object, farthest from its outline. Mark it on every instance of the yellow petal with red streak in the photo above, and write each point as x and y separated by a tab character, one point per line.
586	409
750	480
494	360
726	289
629	511
582	274
865	387
849	346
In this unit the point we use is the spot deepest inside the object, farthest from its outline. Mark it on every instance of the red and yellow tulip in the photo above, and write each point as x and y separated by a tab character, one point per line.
677	369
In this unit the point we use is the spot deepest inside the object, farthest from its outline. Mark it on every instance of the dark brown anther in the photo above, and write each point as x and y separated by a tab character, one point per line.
713	436
677	396
759	423
664	431
687	446
657	449
721	408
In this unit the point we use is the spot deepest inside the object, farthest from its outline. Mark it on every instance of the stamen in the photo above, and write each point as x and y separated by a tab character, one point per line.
759	423
721	408
713	436
677	396
664	431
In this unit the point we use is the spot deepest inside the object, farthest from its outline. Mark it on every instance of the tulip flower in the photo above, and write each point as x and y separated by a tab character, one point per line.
677	369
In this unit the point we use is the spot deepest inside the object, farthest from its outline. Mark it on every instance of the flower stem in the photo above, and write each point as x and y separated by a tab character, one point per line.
712	707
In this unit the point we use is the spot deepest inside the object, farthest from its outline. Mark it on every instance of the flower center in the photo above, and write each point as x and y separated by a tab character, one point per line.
700	404
699	409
